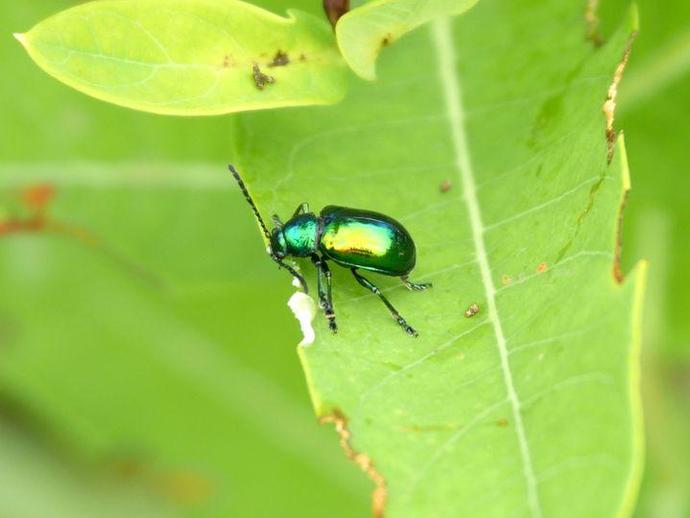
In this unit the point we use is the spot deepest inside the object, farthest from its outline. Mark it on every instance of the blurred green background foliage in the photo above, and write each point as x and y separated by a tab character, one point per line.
147	363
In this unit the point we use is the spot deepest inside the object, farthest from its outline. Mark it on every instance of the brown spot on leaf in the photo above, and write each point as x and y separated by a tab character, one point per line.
506	279
421	428
503	423
380	495
472	310
542	267
281	59
261	79
445	186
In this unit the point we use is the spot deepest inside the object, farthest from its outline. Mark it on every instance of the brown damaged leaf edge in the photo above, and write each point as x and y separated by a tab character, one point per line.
609	107
612	140
617	270
379	497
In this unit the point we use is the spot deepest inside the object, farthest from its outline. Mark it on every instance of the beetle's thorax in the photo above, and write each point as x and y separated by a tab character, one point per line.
301	235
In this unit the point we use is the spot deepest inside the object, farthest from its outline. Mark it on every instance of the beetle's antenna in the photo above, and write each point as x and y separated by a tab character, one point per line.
250	200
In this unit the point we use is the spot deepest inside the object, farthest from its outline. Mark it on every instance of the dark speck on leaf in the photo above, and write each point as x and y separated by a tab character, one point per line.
261	79
280	59
445	186
302	58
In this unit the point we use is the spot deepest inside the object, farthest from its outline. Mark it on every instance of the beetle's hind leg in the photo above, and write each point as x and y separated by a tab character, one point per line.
324	289
413	286
396	316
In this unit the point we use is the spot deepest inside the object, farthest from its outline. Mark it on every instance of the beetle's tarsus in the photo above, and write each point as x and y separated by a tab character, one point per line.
333	326
407	327
413	286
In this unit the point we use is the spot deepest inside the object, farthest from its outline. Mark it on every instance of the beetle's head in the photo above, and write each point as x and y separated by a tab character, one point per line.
278	243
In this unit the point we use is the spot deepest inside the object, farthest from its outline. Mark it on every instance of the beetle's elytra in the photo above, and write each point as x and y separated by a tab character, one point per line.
352	238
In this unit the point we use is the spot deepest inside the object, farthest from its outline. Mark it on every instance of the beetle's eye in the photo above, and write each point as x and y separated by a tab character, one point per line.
278	245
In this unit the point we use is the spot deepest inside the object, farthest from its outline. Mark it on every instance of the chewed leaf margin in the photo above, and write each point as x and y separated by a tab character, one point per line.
365	31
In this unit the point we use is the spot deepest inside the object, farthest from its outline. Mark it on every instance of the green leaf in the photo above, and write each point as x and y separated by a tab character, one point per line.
189	57
28	470
655	96
486	139
365	31
147	332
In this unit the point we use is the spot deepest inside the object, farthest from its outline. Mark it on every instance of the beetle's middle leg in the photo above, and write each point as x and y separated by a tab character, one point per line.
396	316
413	286
324	289
303	208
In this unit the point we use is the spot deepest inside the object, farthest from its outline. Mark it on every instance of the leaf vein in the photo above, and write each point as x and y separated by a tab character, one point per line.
443	41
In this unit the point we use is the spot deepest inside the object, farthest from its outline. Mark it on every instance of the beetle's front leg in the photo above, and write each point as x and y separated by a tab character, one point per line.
324	289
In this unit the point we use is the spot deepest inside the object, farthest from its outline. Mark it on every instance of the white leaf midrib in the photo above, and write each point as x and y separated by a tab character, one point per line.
452	94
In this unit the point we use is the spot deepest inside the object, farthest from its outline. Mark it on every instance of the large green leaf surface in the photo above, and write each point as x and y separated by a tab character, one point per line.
148	334
114	426
184	57
531	406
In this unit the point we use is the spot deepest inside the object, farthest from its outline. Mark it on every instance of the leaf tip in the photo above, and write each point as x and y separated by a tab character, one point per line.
360	59
364	69
369	74
20	37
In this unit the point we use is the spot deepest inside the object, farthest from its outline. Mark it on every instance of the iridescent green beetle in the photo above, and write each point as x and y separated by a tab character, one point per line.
353	238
